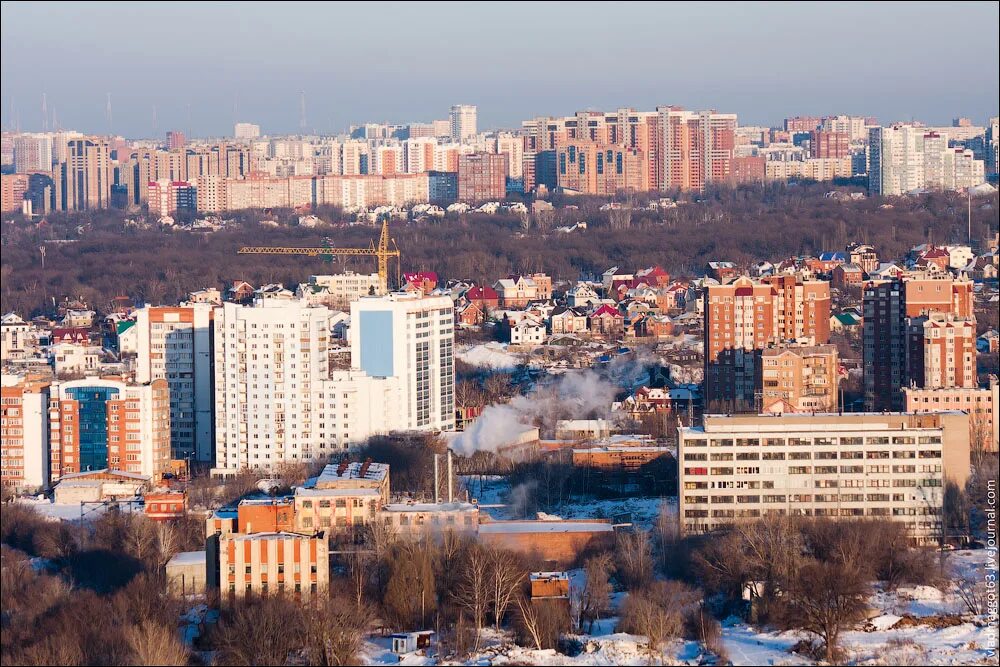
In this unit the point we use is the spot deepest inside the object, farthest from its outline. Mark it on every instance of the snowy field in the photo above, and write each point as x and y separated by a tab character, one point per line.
913	627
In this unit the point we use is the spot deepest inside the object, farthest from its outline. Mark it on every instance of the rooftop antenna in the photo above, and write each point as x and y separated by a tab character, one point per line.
302	112
45	114
110	118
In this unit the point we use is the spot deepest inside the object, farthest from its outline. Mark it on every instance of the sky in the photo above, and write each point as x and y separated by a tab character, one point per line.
199	67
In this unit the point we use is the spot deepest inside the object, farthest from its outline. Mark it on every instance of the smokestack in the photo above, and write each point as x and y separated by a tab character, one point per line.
437	479
451	489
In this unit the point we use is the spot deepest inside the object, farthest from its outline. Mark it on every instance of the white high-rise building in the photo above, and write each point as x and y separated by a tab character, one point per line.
410	337
32	152
463	121
896	159
246	131
175	343
277	401
905	158
513	146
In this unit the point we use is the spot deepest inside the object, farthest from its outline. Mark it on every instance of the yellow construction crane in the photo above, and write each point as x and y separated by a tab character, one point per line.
382	252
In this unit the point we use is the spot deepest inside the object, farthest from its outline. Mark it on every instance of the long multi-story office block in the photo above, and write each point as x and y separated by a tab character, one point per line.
409	337
276	399
97	423
24	433
174	343
850	466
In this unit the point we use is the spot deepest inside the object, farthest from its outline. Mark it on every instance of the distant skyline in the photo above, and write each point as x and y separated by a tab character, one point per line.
205	66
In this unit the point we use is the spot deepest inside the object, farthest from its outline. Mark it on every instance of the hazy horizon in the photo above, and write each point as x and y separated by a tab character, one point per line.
203	67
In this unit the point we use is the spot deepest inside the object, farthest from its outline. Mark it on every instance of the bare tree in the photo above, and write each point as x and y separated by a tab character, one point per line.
472	594
824	598
541	623
973	592
259	631
506	575
657	612
634	557
152	644
333	631
595	599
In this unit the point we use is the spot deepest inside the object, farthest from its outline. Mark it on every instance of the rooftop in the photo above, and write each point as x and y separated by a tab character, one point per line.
336	472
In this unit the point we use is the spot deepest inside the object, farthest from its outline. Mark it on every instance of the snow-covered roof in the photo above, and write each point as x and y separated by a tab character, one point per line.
430	507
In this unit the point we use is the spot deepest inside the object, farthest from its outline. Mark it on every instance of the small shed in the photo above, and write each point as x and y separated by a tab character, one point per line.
186	573
408	642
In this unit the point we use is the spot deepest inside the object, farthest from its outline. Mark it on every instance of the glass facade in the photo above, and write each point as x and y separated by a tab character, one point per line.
93	426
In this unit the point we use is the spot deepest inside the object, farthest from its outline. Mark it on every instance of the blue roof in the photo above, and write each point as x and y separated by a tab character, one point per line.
833	257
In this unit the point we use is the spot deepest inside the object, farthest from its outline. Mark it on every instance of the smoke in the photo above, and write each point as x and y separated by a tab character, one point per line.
523	499
585	394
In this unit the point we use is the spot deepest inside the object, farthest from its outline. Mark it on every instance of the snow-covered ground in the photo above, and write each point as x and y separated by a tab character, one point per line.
494	493
489	355
890	639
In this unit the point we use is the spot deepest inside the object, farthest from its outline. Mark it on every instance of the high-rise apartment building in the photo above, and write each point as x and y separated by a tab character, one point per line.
167	197
744	316
246	131
823	144
24	433
462	120
174	343
904	158
892	358
941	351
409	337
855	127
176	140
482	177
801	124
84	180
276	399
798	378
511	145
32	152
846	466
600	169
12	189
696	148
97	423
